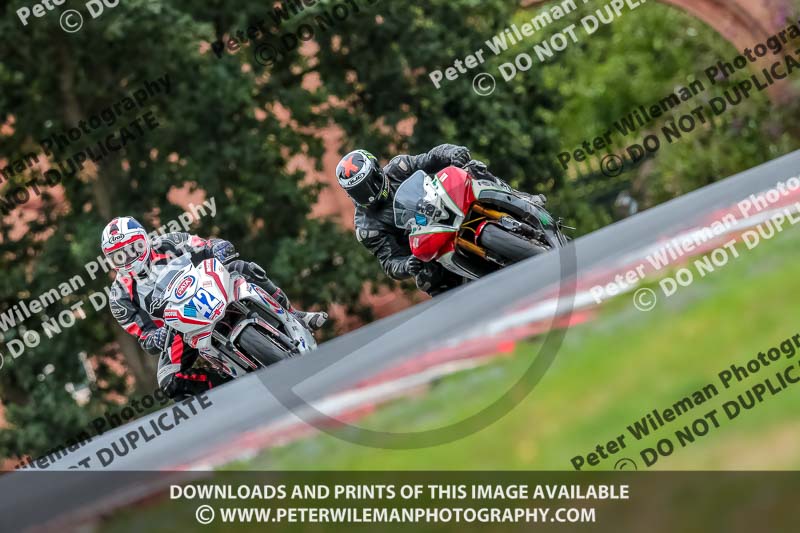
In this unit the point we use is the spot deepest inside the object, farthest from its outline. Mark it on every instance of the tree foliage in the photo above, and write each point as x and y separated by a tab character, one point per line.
230	127
637	60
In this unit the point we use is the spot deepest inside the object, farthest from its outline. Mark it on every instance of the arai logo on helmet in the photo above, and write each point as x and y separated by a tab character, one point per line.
116	238
185	284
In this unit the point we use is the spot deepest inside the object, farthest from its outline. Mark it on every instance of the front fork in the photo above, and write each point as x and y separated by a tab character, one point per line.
487	214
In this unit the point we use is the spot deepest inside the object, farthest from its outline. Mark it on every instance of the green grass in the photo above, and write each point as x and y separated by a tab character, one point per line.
609	373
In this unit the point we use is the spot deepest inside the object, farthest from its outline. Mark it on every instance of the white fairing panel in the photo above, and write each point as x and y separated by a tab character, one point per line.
198	297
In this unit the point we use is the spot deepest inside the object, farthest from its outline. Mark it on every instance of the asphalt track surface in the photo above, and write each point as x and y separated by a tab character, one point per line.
347	360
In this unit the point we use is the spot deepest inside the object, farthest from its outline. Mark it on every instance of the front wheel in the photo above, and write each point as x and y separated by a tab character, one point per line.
256	344
507	245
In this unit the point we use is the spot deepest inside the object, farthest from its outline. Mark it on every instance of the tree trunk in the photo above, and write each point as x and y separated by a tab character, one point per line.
143	369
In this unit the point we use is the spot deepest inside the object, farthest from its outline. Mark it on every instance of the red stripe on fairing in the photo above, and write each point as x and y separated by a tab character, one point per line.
237	286
190	321
216	278
176	350
198	338
157	257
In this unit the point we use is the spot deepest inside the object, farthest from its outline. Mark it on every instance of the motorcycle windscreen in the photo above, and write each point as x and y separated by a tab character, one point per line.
167	275
415	202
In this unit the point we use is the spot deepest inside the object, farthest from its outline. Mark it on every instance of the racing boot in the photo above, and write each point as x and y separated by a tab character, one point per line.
313	320
310	319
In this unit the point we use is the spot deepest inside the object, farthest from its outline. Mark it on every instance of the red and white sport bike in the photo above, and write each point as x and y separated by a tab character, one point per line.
235	325
472	226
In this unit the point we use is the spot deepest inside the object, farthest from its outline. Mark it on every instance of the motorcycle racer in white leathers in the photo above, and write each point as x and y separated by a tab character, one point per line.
138	261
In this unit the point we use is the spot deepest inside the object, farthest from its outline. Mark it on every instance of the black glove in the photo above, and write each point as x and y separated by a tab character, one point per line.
428	277
414	266
478	169
460	157
539	199
256	272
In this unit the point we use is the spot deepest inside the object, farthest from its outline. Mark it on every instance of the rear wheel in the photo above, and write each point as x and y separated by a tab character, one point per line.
256	344
508	245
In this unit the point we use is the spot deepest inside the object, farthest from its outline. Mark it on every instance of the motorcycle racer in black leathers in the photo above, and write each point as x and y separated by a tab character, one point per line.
372	190
138	261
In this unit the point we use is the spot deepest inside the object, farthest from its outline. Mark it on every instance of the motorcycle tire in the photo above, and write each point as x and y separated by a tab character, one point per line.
257	345
509	246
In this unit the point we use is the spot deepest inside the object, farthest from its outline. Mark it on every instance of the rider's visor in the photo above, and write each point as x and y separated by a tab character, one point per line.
370	190
125	254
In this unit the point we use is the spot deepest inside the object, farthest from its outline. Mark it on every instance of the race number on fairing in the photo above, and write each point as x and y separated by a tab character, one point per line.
207	304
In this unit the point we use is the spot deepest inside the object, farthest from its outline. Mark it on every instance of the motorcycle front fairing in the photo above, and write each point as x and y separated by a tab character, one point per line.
429	238
196	298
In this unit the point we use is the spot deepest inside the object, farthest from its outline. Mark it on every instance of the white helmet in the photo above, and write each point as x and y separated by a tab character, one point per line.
126	245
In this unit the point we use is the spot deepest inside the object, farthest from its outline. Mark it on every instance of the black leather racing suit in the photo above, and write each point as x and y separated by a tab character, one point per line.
131	299
375	227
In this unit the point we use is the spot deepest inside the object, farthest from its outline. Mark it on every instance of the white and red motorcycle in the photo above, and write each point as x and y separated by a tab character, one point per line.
472	226
235	325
